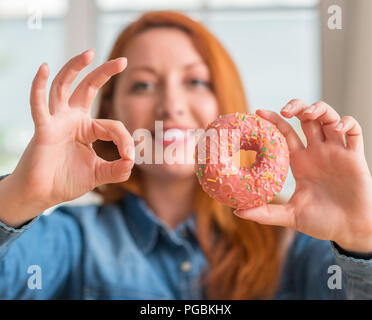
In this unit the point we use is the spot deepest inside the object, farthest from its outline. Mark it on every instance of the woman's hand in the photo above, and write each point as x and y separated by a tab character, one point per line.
333	195
59	164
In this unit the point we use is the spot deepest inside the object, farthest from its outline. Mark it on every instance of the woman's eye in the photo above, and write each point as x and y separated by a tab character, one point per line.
141	86
198	82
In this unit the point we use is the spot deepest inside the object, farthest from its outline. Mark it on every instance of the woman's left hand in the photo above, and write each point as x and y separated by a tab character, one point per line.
333	195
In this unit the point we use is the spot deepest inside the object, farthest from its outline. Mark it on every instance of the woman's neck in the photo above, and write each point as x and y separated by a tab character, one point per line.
172	201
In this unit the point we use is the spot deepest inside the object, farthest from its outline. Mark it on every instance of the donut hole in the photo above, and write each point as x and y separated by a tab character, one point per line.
244	158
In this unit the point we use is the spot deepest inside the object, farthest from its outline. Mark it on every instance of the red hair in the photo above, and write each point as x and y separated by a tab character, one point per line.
243	256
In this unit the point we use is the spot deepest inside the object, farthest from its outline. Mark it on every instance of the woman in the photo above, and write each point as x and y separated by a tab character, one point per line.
157	235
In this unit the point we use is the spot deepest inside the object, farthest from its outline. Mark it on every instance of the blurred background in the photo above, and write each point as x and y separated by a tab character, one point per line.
308	49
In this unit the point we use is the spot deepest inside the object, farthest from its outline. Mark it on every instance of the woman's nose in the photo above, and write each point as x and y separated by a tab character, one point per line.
172	104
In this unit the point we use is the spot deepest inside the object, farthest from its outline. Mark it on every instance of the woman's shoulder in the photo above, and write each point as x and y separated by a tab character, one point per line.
87	213
303	244
308	256
97	218
63	218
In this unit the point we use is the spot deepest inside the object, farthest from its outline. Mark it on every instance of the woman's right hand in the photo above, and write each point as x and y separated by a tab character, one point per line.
60	164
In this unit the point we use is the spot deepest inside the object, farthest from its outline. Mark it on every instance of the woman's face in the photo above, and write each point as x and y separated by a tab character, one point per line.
165	80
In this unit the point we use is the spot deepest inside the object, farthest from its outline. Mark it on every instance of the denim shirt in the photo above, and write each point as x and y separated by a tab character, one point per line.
123	251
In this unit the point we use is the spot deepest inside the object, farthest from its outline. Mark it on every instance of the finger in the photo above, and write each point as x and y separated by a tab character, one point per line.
112	130
353	132
293	141
328	117
311	128
60	89
86	91
112	171
271	214
39	107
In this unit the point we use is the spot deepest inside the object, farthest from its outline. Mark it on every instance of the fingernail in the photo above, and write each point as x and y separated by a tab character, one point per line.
287	108
131	153
339	126
124	59
89	50
310	109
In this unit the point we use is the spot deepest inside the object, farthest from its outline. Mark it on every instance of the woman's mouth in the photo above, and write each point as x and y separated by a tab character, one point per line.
173	135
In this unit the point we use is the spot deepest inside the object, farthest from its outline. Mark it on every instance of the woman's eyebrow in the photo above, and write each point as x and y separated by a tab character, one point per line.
191	65
152	70
145	68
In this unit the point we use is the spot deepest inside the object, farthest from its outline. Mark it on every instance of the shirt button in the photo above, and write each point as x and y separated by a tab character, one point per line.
186	266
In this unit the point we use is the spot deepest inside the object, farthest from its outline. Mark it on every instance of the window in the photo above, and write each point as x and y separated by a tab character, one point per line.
31	32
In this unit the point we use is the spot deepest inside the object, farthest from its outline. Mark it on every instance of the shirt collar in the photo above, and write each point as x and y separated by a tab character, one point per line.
145	226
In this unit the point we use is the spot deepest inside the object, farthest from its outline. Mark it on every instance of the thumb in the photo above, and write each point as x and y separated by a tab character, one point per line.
272	214
112	171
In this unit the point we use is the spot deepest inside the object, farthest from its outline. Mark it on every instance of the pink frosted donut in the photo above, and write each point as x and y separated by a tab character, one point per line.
242	187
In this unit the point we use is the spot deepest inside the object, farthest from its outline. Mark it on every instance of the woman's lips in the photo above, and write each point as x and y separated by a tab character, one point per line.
174	135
